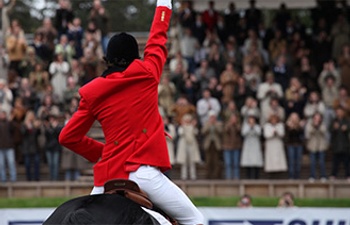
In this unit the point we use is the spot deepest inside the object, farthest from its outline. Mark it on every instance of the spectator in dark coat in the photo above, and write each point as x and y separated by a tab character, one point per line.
30	147
64	16
321	50
231	19
241	92
187	15
282	71
340	143
294	143
253	15
75	34
100	16
52	147
72	163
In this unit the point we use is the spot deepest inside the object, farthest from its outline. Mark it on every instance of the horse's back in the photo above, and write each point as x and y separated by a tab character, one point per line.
100	209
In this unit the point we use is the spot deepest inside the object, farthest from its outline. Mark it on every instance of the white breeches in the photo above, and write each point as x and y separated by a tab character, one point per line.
165	194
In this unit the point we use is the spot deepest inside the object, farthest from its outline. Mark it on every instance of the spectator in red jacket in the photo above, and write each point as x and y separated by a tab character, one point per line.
210	16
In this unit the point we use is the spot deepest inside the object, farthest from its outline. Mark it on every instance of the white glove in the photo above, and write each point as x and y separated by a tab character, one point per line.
166	3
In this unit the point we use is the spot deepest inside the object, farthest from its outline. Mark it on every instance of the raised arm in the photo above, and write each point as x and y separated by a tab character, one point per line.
156	51
11	4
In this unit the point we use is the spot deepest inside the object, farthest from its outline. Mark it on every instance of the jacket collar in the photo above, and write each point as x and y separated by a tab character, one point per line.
111	70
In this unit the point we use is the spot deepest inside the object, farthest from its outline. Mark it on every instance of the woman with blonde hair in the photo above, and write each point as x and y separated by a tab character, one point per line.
294	143
30	147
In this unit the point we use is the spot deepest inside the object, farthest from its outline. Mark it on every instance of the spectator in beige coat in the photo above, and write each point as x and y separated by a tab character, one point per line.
6	97
187	149
16	45
316	144
314	105
5	20
275	157
250	108
171	130
166	94
329	81
274	109
267	90
212	131
252	156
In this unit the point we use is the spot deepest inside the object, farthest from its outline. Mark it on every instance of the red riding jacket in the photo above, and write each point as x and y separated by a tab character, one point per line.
126	105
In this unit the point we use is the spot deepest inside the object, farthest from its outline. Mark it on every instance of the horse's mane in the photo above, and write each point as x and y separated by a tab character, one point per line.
100	209
80	216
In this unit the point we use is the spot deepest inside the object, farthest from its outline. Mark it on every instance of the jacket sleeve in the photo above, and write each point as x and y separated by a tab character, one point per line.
156	53
73	135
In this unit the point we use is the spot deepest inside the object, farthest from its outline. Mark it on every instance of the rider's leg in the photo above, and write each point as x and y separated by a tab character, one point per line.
166	195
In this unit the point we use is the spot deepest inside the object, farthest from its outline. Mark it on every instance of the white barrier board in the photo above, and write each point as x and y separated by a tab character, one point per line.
276	216
216	216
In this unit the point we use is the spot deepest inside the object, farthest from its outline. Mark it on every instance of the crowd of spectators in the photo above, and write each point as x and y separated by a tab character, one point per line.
237	93
39	93
258	96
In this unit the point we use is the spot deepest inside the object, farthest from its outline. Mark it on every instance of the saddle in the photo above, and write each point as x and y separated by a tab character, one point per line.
130	190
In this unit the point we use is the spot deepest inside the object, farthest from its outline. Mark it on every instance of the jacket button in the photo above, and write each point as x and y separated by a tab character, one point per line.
116	143
144	130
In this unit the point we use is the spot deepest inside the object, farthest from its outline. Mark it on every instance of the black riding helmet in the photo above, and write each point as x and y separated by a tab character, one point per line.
122	49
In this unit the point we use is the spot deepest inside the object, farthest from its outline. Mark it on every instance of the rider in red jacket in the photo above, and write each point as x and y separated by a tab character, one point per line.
125	102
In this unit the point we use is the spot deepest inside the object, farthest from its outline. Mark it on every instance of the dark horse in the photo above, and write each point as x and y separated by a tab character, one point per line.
121	204
100	209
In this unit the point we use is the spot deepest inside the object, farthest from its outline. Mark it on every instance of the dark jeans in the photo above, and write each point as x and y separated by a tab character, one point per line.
339	158
321	160
32	164
53	160
294	161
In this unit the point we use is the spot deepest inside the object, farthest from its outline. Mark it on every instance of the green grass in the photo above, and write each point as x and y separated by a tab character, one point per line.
31	202
203	201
